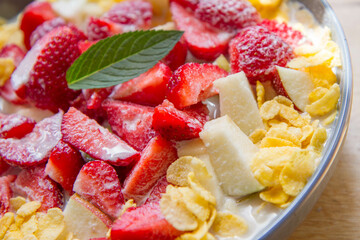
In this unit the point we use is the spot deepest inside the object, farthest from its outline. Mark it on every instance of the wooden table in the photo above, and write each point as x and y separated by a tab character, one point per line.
337	213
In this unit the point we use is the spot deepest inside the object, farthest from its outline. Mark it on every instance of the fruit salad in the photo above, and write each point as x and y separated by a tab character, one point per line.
157	119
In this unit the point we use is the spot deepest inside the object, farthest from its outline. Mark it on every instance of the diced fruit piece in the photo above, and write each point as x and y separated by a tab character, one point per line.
81	102
41	79
192	83
45	28
175	124
294	84
3	166
227	14
147	89
177	56
85	220
145	222
98	183
64	165
238	102
157	191
191	4
154	161
85	45
34	184
87	135
34	15
131	122
203	41
5	193
14	52
15	126
35	147
230	153
99	28
256	51
95	97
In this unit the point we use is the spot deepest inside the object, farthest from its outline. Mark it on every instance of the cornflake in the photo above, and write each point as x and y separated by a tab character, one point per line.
229	225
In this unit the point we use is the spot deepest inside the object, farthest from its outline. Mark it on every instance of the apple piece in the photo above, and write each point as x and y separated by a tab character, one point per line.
230	152
84	220
238	102
296	84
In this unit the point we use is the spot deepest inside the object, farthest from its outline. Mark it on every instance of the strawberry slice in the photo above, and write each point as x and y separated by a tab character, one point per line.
192	83
157	191
177	56
34	15
99	28
131	122
34	184
154	161
15	126
98	183
45	28
87	135
144	222
5	193
35	148
95	97
81	102
190	4
175	124
40	79
3	166
204	41
147	89
85	45
64	165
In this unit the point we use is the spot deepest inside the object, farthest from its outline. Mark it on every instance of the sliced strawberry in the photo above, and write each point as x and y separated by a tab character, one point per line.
175	124
85	45
158	190
45	28
14	52
257	51
131	122
8	93
64	165
3	166
145	222
81	102
100	28
5	193
35	148
227	14
15	126
192	83
154	161
147	89
40	77
177	56
95	97
34	15
98	183
198	111
204	41
34	184
190	4
87	135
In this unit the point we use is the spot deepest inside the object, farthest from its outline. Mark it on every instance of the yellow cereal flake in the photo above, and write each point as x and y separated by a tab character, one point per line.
330	119
268	142
284	134
307	132
257	135
317	94
260	93
200	190
322	76
223	63
268	8
229	225
5	222
29	227
7	66
318	139
195	203
129	203
292	116
28	209
284	101
274	195
17	202
51	225
11	33
269	110
326	104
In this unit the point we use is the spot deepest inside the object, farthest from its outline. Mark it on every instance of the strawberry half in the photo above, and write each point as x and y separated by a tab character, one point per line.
155	160
204	41
34	184
147	89
98	183
15	126
87	135
45	28
157	191
190	4
95	97
192	83
177	56
5	193
40	77
144	222
131	122
99	28
3	166
35	148
64	165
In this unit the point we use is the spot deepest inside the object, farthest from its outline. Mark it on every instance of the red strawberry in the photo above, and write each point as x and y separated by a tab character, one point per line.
95	97
256	51
81	103
85	45
147	89
131	122
145	222
100	28
175	124
227	14
131	15
64	165
87	135
45	28
35	147
34	15
177	56
204	41
3	166
40	77
154	161
190	4
98	183
34	184
8	93
5	193
13	51
15	126
192	83
157	191
287	33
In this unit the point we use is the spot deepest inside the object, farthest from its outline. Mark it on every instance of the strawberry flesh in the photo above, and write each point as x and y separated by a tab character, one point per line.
5	193
85	45
189	4
45	28
157	191
15	126
99	28
3	166
177	56
95	97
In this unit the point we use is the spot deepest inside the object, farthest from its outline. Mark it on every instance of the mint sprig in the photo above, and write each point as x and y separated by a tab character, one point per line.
120	58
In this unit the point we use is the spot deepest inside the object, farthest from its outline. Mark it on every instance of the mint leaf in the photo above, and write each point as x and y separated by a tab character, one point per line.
120	58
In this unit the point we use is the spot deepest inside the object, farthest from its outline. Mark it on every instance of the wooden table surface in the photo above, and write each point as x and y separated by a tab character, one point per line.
337	213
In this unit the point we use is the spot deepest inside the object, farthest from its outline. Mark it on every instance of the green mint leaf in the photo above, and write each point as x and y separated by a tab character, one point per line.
120	58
